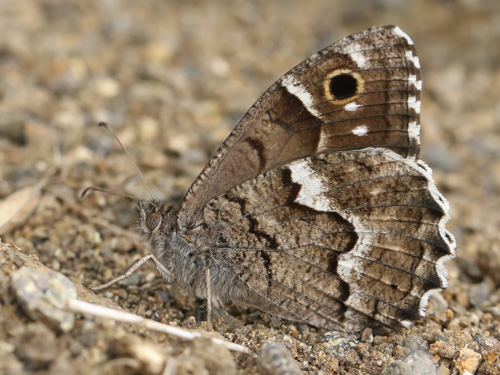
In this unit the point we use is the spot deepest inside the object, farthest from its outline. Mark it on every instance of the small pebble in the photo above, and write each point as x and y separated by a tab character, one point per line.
479	293
463	299
37	347
467	362
367	335
43	294
275	359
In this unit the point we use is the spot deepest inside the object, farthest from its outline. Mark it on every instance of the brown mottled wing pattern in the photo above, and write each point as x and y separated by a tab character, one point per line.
368	83
341	240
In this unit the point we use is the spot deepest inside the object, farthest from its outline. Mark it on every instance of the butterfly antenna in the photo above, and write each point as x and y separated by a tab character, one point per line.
105	125
91	188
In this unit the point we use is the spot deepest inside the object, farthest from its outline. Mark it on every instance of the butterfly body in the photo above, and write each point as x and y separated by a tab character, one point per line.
187	261
316	208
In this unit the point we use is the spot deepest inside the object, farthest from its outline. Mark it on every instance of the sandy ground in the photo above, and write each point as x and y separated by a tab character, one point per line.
173	78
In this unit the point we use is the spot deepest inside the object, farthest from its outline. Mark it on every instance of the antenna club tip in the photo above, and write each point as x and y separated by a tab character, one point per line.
85	192
103	124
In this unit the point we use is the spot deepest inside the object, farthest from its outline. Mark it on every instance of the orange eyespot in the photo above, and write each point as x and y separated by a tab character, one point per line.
153	221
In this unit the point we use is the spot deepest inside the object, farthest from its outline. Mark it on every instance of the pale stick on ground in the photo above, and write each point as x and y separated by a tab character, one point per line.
83	307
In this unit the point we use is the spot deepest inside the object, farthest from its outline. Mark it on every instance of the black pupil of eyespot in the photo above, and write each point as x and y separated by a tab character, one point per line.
153	220
343	86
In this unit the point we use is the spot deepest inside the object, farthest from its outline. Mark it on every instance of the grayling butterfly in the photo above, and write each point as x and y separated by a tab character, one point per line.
317	208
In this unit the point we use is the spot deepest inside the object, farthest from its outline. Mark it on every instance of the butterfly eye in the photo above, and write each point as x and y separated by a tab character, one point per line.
153	221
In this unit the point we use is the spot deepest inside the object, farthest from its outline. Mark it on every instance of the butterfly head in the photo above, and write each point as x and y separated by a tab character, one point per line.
153	217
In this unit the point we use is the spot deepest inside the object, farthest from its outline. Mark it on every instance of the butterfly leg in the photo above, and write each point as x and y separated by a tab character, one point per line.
205	256
132	269
209	299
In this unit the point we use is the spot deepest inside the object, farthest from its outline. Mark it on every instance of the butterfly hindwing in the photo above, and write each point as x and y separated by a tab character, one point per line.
343	239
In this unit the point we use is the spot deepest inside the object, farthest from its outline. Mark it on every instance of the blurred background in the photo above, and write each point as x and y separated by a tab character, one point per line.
174	77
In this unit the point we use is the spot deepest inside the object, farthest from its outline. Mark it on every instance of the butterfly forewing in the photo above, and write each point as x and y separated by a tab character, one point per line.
363	91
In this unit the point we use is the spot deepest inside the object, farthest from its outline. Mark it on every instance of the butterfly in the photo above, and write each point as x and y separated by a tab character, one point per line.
317	208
